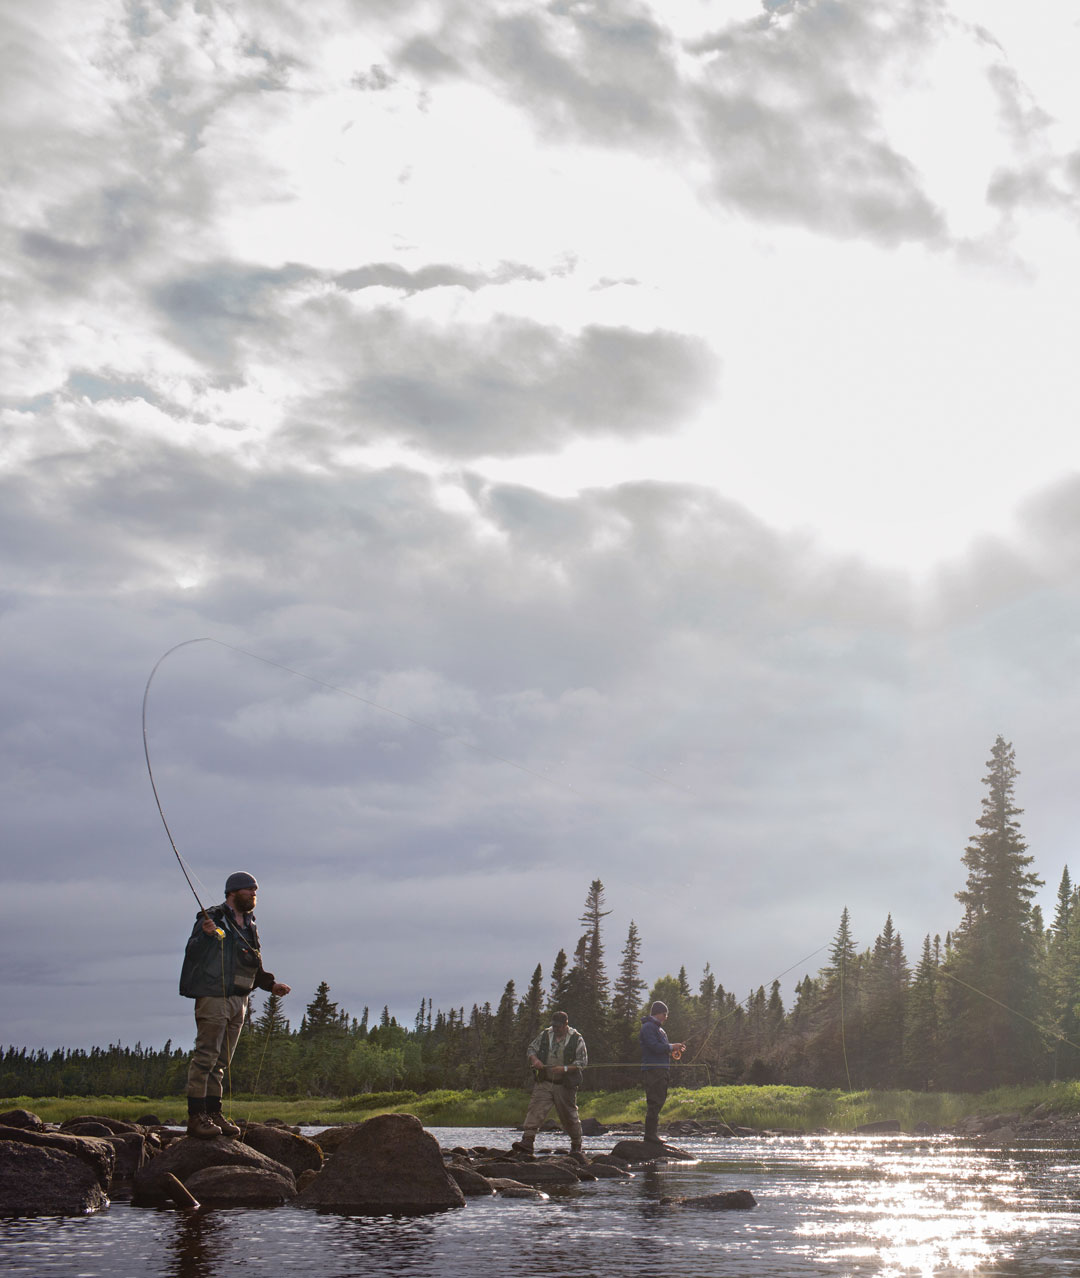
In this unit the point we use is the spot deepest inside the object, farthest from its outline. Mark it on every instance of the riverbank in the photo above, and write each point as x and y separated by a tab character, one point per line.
761	1108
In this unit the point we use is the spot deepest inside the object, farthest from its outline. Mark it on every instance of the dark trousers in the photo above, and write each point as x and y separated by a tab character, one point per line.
656	1089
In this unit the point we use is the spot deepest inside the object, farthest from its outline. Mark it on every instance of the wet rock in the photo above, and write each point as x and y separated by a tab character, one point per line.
592	1127
648	1151
86	1127
330	1140
609	1171
99	1154
149	1120
115	1126
507	1188
241	1187
470	1182
21	1118
388	1163
886	1127
133	1151
278	1142
728	1200
183	1158
48	1174
538	1173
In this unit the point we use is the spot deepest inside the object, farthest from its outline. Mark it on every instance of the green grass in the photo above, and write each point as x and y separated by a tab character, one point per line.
798	1108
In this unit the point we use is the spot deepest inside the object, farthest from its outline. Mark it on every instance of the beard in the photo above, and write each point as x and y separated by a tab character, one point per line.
244	901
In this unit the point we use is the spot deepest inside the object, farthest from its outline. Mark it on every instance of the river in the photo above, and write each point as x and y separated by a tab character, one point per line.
826	1205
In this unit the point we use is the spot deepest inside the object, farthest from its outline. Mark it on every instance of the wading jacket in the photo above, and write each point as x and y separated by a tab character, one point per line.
655	1048
218	968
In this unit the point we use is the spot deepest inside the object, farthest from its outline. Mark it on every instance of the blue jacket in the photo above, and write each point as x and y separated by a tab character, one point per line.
216	968
655	1048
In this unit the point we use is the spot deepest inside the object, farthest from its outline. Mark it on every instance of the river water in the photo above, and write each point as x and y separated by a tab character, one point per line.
826	1205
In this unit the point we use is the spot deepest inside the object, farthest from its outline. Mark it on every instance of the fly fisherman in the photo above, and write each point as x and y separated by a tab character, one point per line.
558	1058
222	965
656	1053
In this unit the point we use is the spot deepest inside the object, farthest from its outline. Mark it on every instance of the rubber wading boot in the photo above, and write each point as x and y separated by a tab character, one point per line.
223	1125
577	1155
200	1125
524	1146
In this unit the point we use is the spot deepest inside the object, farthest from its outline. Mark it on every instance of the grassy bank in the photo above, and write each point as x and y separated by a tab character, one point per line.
801	1108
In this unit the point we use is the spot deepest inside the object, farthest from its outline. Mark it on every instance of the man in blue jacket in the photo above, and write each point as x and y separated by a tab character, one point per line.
656	1054
222	965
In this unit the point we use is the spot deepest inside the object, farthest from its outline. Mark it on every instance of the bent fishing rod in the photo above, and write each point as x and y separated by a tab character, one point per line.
157	797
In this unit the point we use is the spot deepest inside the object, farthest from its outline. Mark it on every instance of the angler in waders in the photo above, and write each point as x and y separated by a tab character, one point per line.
656	1055
222	965
558	1058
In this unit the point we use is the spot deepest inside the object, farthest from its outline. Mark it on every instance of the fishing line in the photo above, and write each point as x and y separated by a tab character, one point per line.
1043	1029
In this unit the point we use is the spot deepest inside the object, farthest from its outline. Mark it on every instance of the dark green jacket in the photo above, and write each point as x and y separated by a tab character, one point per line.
217	968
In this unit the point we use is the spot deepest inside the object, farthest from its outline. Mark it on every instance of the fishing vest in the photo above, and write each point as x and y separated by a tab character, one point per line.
569	1050
218	968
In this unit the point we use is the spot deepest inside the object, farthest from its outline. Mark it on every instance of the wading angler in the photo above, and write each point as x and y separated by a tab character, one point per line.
222	965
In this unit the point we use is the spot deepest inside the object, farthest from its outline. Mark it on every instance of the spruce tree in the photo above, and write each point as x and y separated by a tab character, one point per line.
922	1024
529	1011
626	1003
994	965
835	1035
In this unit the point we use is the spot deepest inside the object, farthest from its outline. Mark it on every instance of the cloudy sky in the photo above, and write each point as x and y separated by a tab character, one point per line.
646	429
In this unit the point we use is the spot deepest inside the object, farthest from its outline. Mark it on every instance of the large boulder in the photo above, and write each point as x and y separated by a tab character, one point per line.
21	1118
330	1139
297	1152
128	1139
388	1164
183	1158
241	1187
48	1174
648	1151
99	1154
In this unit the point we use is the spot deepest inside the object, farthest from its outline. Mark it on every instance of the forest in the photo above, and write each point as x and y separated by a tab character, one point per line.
993	1003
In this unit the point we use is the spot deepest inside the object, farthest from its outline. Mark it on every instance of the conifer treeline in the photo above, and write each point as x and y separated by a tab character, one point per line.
996	1002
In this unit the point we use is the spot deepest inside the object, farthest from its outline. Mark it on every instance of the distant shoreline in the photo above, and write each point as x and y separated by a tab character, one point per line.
764	1108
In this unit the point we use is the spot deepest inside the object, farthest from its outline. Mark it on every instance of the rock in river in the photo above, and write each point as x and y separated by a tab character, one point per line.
49	1174
388	1164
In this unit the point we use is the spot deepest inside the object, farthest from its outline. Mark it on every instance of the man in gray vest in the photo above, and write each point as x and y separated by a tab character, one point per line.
558	1058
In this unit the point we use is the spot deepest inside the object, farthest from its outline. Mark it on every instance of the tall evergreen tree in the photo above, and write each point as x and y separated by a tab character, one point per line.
884	993
560	983
626	1002
835	1017
922	1024
530	1010
589	983
995	962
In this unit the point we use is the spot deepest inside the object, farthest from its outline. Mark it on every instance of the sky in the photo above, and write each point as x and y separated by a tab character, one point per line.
587	439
